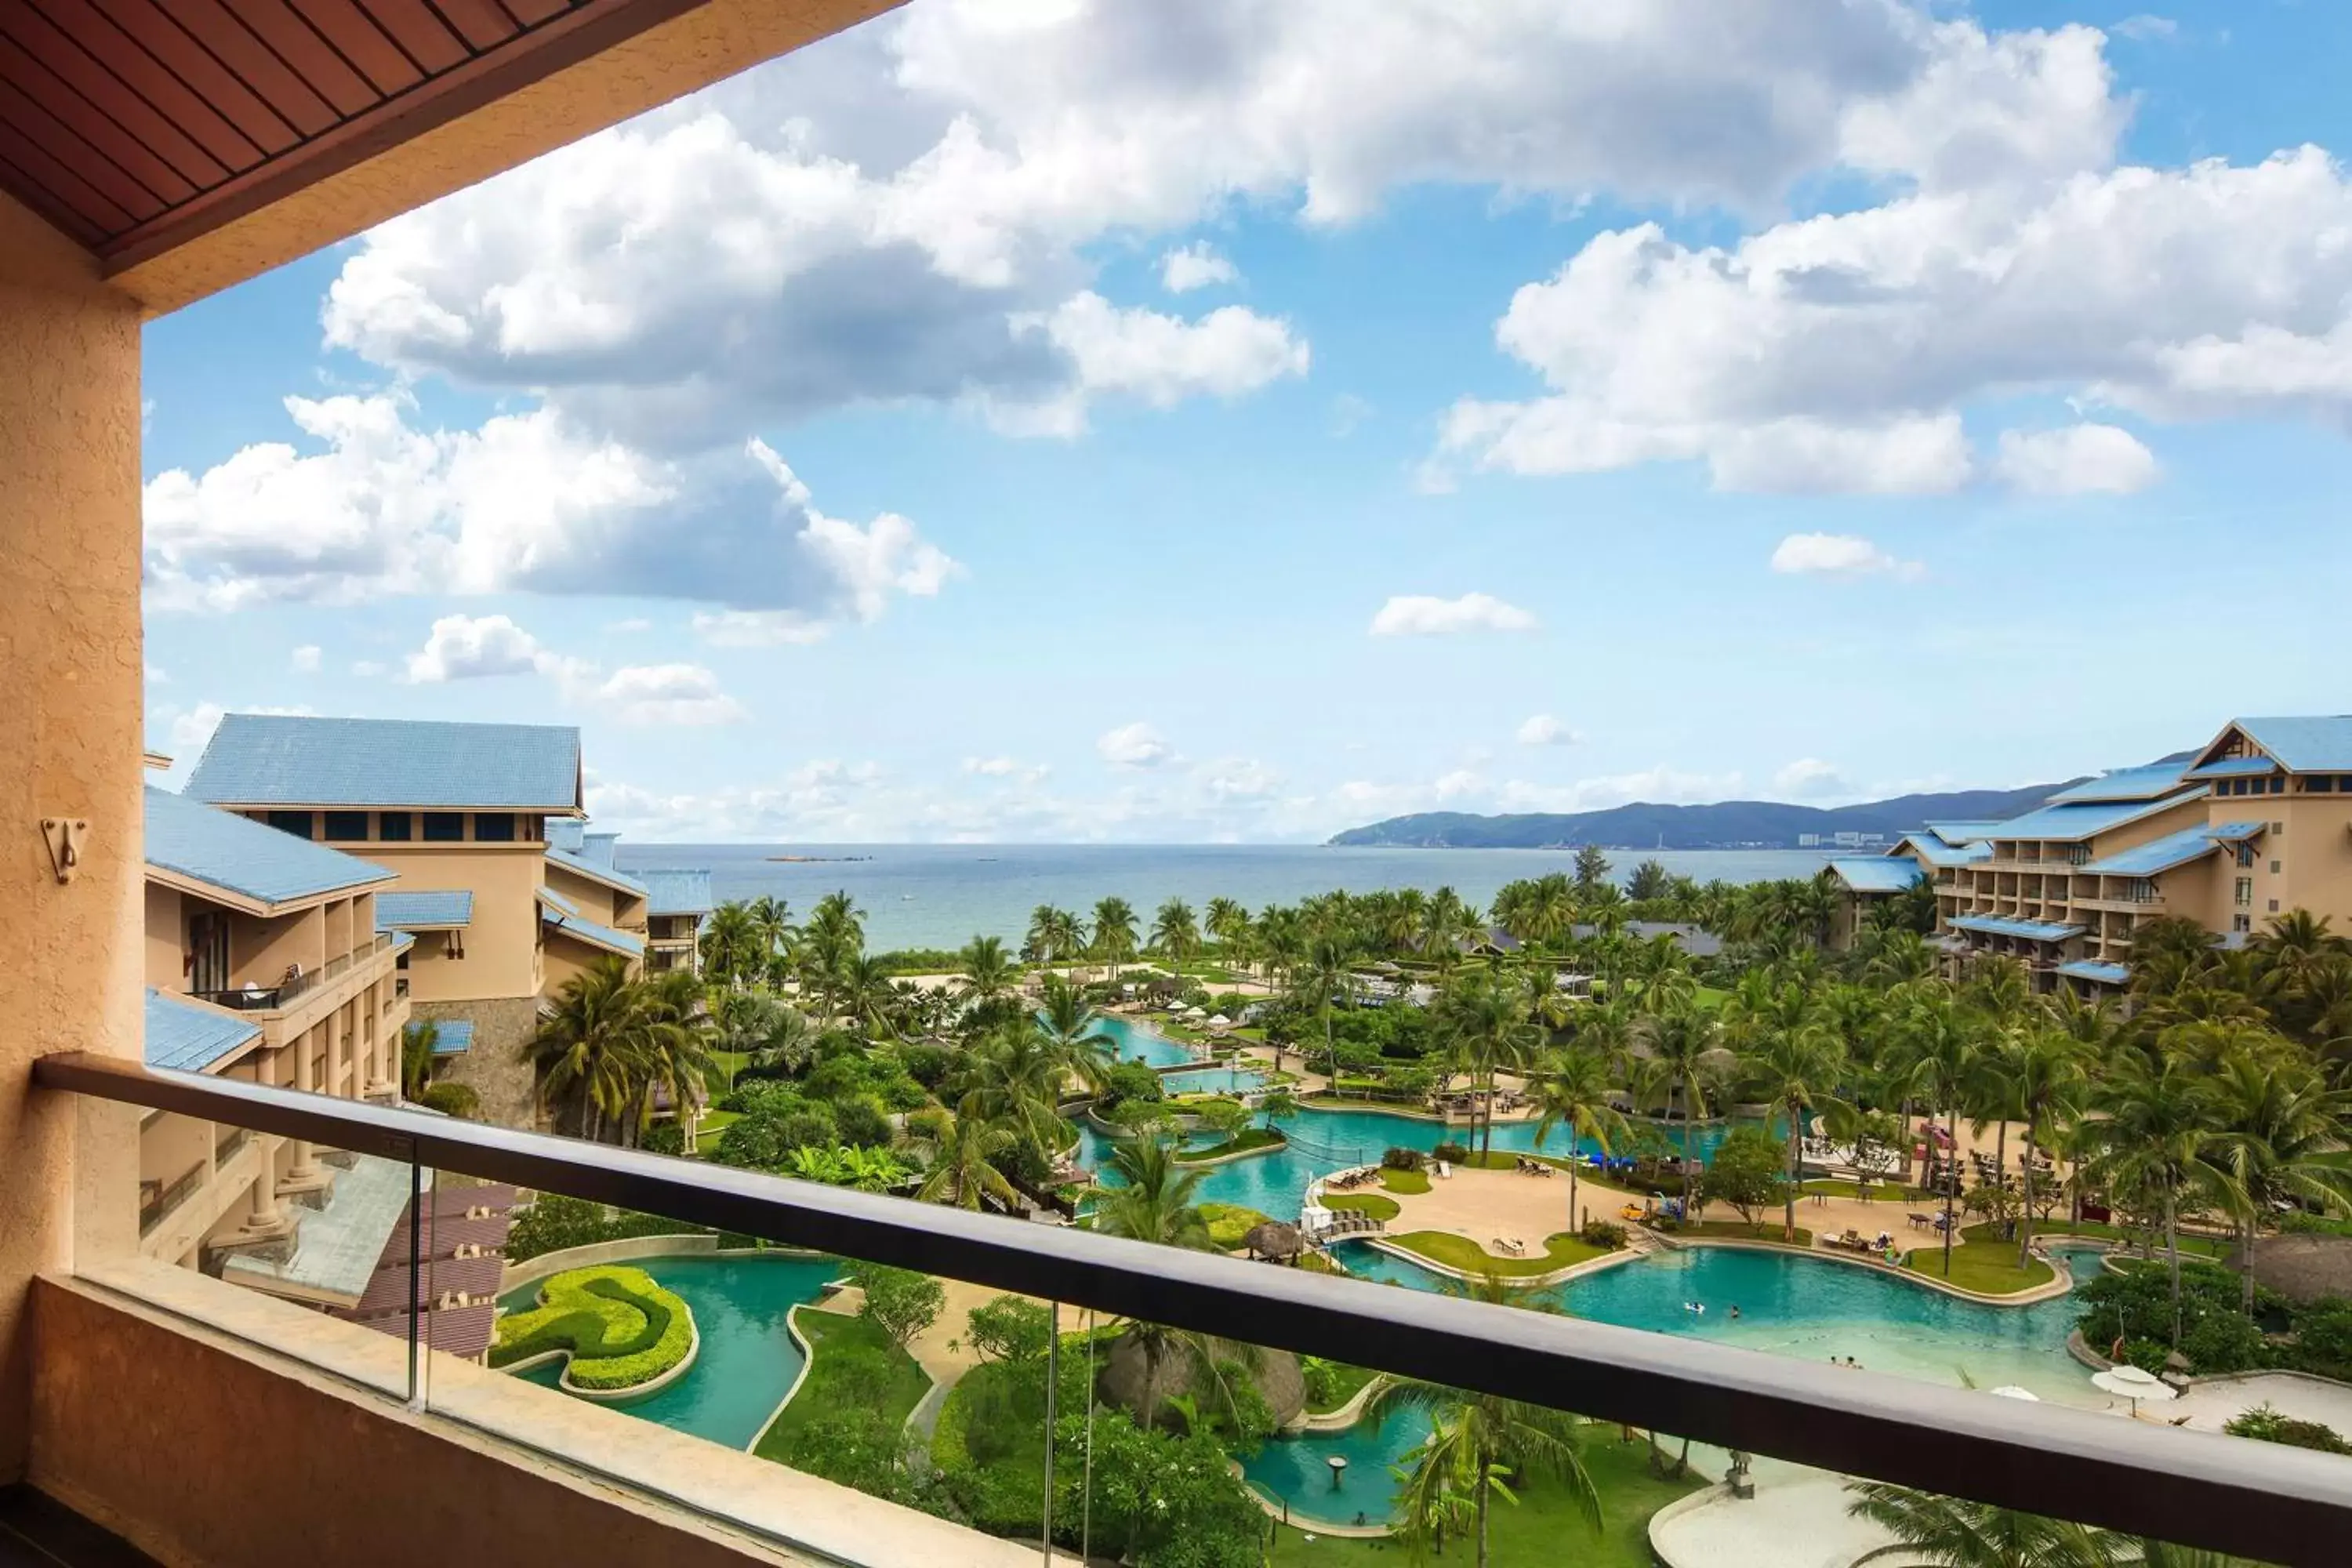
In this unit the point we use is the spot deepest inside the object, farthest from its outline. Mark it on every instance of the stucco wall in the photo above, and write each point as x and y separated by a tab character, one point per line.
501	944
73	957
494	1066
167	937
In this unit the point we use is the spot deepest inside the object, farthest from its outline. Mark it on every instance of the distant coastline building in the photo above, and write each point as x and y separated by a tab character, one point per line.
503	891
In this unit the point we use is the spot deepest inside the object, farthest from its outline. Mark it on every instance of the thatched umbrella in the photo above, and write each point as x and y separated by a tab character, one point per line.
1277	1376
2303	1268
1276	1241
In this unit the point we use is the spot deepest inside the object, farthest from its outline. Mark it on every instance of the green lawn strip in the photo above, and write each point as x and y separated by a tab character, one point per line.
714	1122
1740	1230
1878	1193
1250	1137
1988	1267
1228	1223
2190	1245
1462	1253
621	1328
1372	1203
1543	1526
832	1333
1410	1182
1343	1383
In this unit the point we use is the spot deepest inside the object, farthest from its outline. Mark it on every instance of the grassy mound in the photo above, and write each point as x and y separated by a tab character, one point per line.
618	1326
1989	1267
1460	1252
1372	1204
852	1367
1228	1223
1409	1182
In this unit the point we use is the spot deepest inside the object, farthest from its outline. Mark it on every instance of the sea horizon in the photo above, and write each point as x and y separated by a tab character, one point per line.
942	895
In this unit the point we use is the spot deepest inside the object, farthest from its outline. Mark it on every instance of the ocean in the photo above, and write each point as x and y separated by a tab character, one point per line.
942	895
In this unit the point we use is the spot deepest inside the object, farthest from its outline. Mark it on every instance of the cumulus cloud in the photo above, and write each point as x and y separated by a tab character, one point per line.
1843	555
307	659
1810	778
1158	360
469	648
668	694
2080	459
1194	266
1543	730
1422	615
527	502
1136	745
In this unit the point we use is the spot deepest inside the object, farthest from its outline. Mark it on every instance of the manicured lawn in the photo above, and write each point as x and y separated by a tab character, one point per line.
1460	1252
1228	1223
1345	1382
1878	1193
2190	1245
1250	1137
1410	1182
714	1122
1740	1230
831	1332
1990	1267
1543	1526
1372	1203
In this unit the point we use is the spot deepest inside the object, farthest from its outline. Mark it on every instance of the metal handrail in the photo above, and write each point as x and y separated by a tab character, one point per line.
2280	1504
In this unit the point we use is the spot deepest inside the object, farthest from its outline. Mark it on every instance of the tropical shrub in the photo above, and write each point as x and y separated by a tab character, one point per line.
1605	1234
2136	1306
1129	1082
2265	1422
901	1302
1011	1329
1402	1159
2323	1338
664	1138
619	1327
451	1100
1451	1153
861	1121
554	1221
1748	1172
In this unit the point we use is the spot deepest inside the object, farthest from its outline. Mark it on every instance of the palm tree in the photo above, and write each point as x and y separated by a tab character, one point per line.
1070	1027
772	918
732	945
958	1151
1013	1082
1798	1064
1229	921
589	1045
2047	1082
868	995
1485	1019
1937	1043
1477	1443
1573	1091
675	1053
1953	1532
1664	969
2156	1127
417	1044
1176	933
2280	1137
1321	975
1683	1043
988	969
1154	1200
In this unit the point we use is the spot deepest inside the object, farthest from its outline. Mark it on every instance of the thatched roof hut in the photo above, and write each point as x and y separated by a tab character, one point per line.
1275	1241
2305	1267
1277	1376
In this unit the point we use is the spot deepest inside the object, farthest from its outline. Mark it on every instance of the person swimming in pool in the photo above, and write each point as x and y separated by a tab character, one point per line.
1735	1311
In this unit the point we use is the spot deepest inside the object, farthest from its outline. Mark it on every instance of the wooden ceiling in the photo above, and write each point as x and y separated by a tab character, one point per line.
133	125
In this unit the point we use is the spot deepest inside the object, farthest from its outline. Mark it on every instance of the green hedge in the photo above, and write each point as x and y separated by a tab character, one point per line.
620	1328
1228	1223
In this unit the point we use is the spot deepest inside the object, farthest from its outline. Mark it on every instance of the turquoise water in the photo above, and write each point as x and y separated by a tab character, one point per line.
748	1360
1141	1043
1789	1305
1212	1080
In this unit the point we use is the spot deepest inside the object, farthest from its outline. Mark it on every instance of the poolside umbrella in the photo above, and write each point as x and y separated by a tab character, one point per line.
1193	1011
2130	1383
2010	1390
1219	1021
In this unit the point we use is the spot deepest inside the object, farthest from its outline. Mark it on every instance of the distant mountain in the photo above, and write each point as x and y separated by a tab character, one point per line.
1731	824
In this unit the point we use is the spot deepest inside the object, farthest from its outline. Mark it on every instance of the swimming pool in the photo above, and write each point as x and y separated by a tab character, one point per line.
1133	1042
1213	1080
748	1359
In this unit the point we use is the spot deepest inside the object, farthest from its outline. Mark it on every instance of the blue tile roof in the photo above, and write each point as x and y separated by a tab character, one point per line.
2072	824
2304	745
2105	974
2031	931
566	833
2156	855
2235	768
557	902
242	857
1934	849
189	1038
1877	873
598	847
2125	783
606	937
580	863
259	759
451	1037
433	910
2230	832
677	893
1962	833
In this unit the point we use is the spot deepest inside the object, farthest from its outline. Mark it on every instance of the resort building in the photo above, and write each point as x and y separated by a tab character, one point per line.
1861	883
677	903
263	963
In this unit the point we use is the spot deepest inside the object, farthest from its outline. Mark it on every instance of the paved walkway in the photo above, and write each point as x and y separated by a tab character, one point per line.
1797	1519
2210	1406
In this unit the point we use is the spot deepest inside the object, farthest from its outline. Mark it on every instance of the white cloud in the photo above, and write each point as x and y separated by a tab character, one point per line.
1136	745
1239	778
1543	730
529	502
1422	615
2079	459
1194	266
1842	555
1810	778
1007	768
468	647
1158	360
1349	411
306	658
2145	29
668	694
194	728
629	625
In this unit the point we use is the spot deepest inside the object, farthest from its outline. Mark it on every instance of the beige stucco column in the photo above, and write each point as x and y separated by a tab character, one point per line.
301	1169
69	747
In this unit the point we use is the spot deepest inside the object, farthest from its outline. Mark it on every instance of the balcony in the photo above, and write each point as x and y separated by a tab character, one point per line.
397	1381
158	1201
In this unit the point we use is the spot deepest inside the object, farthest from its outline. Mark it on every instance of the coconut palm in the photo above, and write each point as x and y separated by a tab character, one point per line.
1114	930
1321	975
772	919
1664	969
589	1046
1573	1091
1797	1063
1013	1081
1072	1031
733	947
2280	1137
1478	1444
1932	1531
1485	1019
675	1054
2158	1125
988	969
1935	1046
958	1151
1229	921
417	1044
2049	1078
1154	1199
1690	1056
1176	931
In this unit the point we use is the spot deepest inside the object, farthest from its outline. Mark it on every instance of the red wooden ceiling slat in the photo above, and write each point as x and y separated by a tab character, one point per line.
362	43
65	186
480	22
532	12
132	86
91	166
290	97
44	81
293	40
28	190
426	37
204	77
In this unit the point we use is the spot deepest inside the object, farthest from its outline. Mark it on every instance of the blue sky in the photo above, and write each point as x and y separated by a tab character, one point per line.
1807	399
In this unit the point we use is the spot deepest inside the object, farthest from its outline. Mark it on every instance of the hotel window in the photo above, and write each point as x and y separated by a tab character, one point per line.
2278	784
2320	784
391	827
445	827
2273	906
2241	922
297	823
2274	867
494	827
2245	892
347	827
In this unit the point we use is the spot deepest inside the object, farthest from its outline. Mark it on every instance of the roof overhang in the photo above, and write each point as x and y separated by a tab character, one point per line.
230	898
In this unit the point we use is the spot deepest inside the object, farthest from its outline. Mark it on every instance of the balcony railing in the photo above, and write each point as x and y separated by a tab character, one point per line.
2226	1494
228	1141
157	1205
